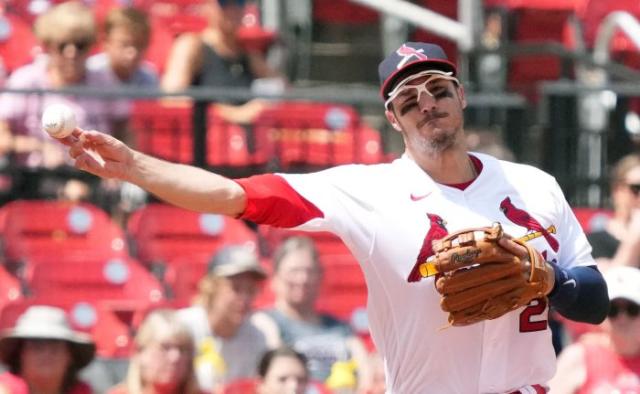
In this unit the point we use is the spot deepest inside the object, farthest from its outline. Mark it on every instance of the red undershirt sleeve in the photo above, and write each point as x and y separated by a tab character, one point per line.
271	200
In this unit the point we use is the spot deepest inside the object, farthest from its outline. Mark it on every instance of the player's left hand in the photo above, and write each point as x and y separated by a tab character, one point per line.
484	277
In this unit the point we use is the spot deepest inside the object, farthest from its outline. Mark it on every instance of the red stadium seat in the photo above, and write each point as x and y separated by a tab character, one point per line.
315	134
593	14
160	44
114	279
592	219
533	25
18	44
75	232
105	323
163	233
10	289
343	290
166	131
182	276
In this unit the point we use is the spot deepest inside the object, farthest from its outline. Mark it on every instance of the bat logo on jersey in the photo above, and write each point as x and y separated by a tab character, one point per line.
437	230
407	53
522	218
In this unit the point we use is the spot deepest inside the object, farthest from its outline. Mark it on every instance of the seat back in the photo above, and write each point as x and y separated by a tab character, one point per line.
116	279
35	229
315	134
163	233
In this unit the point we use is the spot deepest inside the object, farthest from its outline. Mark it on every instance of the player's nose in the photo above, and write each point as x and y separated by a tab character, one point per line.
426	102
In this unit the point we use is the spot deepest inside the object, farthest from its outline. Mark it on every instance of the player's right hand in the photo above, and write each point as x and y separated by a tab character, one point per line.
99	153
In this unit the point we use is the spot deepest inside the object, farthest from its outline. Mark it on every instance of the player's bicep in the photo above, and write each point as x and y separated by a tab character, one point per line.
272	200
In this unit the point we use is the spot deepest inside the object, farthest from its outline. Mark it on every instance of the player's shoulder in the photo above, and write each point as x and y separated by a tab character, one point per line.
517	171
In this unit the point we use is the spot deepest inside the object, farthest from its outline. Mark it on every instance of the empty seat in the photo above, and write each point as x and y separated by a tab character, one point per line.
78	232
163	233
314	134
166	131
621	47
535	24
343	289
115	279
17	42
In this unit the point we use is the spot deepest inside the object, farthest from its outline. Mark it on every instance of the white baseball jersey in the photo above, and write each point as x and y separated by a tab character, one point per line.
387	215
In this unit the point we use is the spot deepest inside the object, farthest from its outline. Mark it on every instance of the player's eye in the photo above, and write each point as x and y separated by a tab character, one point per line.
408	106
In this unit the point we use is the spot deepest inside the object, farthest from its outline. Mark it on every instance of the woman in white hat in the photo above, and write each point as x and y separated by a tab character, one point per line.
43	354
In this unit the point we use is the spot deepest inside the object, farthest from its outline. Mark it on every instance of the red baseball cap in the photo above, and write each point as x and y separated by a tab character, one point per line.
410	58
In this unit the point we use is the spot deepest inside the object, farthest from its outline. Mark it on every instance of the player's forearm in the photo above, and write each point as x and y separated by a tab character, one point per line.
187	186
580	294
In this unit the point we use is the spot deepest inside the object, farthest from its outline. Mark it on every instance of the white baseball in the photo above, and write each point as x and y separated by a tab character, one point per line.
58	120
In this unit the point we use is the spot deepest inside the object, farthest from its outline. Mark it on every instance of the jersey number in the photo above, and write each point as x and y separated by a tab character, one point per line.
535	308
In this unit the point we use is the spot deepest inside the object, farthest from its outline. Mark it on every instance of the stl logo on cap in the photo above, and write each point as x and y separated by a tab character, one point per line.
407	53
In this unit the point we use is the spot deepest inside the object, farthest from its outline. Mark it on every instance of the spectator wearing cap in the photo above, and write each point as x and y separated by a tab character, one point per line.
607	362
228	343
162	359
44	354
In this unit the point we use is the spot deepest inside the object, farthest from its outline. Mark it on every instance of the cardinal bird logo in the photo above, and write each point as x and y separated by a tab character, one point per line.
522	218
437	230
407	53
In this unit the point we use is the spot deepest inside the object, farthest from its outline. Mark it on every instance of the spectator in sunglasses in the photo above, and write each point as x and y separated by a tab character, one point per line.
217	58
618	243
66	33
609	361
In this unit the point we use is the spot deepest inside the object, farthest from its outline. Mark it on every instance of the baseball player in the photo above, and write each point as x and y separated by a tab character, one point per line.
390	214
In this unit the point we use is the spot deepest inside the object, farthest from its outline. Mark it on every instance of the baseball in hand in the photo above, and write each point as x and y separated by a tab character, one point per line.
58	120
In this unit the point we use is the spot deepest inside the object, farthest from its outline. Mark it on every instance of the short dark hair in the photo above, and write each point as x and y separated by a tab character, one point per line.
283	351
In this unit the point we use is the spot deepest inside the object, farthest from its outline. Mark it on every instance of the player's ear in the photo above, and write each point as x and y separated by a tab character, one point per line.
391	117
461	96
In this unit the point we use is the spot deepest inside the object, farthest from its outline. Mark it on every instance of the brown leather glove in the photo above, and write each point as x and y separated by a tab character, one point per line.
481	280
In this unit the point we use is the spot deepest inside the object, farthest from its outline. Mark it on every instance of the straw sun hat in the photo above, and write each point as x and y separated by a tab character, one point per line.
46	322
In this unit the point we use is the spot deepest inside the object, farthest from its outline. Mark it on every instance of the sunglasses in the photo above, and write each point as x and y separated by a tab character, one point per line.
631	309
80	45
634	187
404	88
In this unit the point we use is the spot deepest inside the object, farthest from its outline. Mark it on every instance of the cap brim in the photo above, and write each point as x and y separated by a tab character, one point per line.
418	65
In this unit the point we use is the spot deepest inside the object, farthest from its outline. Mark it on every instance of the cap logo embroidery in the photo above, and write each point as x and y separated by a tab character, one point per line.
407	53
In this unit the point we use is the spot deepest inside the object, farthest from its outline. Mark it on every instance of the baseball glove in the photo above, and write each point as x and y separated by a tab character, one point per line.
479	279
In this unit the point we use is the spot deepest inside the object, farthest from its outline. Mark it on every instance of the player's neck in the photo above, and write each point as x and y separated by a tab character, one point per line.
451	167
